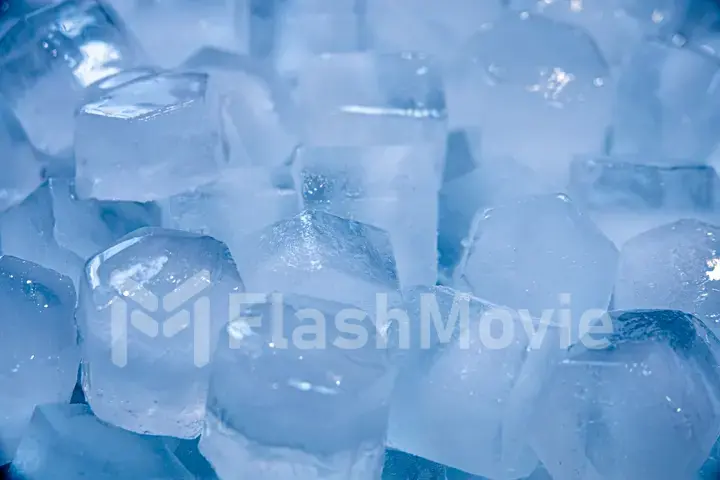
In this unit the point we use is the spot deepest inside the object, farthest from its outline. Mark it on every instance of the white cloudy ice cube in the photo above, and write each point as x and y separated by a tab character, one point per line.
300	389
535	90
642	404
51	55
466	396
542	254
38	351
151	308
68	441
674	266
148	139
320	255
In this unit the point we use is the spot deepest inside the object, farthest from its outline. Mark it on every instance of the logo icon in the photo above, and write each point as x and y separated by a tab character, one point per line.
148	307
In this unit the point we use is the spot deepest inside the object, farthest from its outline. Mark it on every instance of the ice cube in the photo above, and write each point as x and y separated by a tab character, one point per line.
540	253
465	400
26	231
304	29
294	394
667	104
364	99
100	88
253	104
170	31
68	441
608	183
151	308
39	355
149	139
321	255
427	26
240	203
523	83
393	188
50	56
674	266
87	227
22	172
616	25
641	403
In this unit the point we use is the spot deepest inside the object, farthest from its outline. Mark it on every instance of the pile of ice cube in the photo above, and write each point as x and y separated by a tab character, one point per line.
360	239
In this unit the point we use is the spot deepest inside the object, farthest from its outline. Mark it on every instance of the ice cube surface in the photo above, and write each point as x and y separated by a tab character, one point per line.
673	266
151	308
68	441
39	357
643	404
48	57
149	139
320	255
541	254
292	395
523	83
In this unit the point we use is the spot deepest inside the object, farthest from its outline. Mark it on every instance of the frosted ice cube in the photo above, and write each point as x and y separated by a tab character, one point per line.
523	83
253	103
321	255
617	183
393	188
149	139
170	31
294	395
642	403
50	56
674	266
26	231
22	172
427	26
240	203
87	227
667	105
150	311
540	253
304	29
616	25
68	441
465	401
363	99
39	355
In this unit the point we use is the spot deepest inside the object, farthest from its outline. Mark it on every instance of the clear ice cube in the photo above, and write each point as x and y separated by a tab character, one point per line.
540	253
667	105
151	308
149	139
280	408
622	184
464	401
427	26
616	25
100	88
523	83
27	232
22	172
39	356
87	227
674	266
68	441
321	255
170	31
365	99
392	188
643	403
240	203
253	103
51	55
